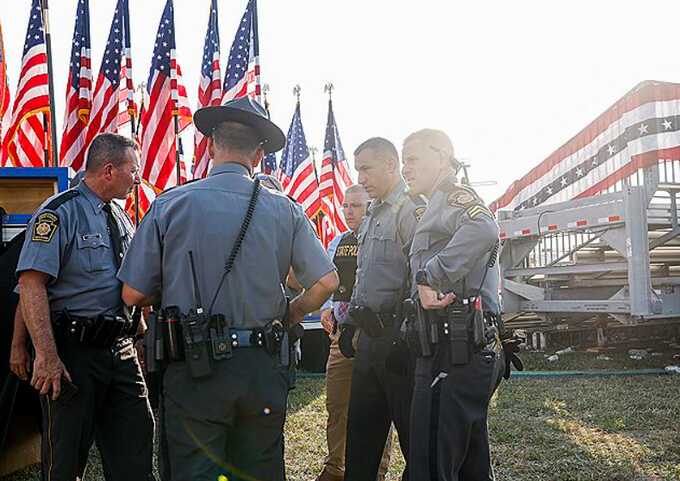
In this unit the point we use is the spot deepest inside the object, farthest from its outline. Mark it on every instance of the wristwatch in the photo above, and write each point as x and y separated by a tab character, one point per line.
421	278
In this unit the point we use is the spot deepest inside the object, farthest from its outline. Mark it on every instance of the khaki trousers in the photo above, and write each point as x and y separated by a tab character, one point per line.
338	383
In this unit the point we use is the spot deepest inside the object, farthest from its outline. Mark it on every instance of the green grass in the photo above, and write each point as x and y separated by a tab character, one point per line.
560	429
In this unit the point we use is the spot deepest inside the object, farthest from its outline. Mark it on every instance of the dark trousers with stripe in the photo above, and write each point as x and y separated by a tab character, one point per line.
111	407
449	435
378	398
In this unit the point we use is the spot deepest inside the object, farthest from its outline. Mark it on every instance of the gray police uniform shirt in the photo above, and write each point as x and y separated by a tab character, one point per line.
205	217
453	242
72	244
384	240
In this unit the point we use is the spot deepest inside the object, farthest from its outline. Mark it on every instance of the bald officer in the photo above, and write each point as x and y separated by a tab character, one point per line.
453	259
379	396
71	303
225	399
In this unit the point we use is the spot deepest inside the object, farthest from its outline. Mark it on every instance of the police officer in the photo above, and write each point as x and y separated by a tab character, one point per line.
86	367
379	396
224	409
334	316
452	259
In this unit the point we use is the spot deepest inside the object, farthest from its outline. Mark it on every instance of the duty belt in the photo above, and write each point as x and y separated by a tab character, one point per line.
104	330
375	324
461	328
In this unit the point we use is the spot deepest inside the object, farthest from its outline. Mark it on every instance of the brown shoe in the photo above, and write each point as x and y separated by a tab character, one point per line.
324	476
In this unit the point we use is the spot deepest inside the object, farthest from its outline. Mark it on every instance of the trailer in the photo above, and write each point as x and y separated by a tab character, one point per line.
610	257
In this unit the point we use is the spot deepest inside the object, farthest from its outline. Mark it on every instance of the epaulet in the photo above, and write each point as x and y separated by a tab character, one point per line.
418	200
62	198
447	185
400	201
47	223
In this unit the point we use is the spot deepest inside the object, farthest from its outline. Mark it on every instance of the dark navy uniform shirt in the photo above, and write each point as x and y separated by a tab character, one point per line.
72	244
205	217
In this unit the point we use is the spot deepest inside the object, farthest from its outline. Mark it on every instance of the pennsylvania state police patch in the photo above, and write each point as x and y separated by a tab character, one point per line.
45	226
461	198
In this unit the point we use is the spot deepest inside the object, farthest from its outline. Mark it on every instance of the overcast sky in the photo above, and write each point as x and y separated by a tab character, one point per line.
508	81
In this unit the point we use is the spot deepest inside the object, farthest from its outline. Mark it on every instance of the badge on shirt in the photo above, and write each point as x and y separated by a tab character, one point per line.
45	226
419	212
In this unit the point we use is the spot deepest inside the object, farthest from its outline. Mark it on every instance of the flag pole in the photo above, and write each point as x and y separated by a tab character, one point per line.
134	133
135	192
46	139
175	116
265	90
50	76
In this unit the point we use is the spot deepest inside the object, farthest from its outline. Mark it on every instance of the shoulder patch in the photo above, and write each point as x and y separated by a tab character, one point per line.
466	198
419	212
62	198
461	198
45	226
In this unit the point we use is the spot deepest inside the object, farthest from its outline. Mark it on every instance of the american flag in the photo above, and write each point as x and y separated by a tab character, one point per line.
166	96
269	164
209	88
297	169
243	67
146	195
27	137
334	178
113	100
78	92
4	91
639	130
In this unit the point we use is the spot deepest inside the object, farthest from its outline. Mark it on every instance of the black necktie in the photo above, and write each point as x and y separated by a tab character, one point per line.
114	232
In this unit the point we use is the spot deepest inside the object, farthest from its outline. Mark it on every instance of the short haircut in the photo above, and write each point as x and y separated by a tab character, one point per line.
108	149
383	148
236	137
436	139
356	188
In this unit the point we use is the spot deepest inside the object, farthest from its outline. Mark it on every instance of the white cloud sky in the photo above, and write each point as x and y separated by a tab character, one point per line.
508	81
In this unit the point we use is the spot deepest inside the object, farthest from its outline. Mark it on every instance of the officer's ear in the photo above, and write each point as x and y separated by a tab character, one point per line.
211	147
259	156
392	165
107	171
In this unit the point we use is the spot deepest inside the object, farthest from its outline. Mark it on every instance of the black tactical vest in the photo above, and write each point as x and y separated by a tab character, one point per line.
345	261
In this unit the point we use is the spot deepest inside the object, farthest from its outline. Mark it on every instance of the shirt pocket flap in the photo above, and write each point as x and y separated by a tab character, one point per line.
421	242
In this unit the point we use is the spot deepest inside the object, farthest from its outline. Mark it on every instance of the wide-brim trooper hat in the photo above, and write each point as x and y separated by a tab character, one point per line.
245	111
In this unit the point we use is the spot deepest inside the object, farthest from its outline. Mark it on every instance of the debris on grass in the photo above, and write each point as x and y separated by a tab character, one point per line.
638	354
